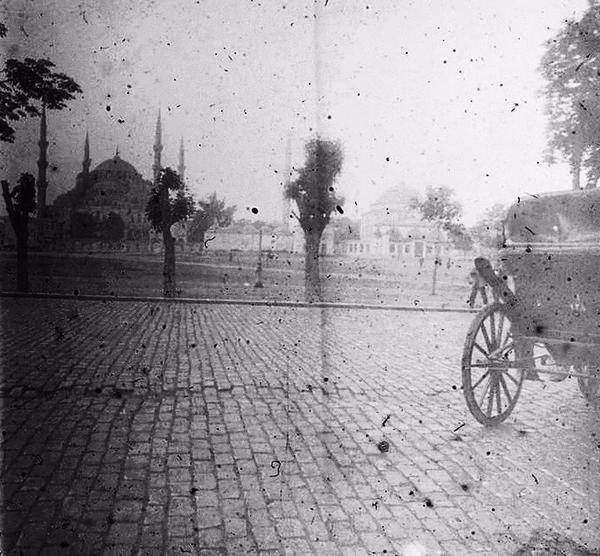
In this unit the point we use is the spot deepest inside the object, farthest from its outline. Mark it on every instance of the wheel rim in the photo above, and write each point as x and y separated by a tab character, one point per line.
492	383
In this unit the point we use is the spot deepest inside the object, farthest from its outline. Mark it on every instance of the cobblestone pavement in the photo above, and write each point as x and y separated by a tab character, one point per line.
136	428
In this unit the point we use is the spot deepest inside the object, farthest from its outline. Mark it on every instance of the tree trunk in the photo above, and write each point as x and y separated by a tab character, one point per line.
201	236
42	182
312	278
22	268
169	265
576	168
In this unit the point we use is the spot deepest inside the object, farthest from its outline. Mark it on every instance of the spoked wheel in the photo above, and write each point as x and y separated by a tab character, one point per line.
492	372
590	387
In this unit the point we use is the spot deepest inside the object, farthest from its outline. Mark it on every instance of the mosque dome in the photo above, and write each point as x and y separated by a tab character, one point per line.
115	166
397	197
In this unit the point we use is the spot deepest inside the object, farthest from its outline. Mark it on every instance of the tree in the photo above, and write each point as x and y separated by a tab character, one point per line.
488	231
36	88
445	213
24	86
20	203
316	199
168	204
29	88
571	68
211	212
461	237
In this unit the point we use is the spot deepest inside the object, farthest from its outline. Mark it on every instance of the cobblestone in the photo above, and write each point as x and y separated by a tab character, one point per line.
153	429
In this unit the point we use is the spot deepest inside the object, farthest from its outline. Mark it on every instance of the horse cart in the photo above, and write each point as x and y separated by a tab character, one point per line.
545	312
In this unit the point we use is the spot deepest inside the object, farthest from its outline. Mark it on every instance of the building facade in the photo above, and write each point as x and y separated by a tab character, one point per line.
106	206
392	228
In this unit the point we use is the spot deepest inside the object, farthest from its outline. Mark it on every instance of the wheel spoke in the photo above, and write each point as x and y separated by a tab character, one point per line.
485	391
493	329
506	391
498	396
480	380
512	378
485	336
476	345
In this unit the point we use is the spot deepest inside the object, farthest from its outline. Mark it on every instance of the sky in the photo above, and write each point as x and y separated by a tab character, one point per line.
420	93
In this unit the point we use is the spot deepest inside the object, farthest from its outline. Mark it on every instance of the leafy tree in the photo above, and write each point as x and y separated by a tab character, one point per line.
461	238
20	203
168	204
488	231
571	68
210	213
445	213
24	85
438	207
28	88
316	199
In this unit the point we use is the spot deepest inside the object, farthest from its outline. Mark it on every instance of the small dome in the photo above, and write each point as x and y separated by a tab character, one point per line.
115	165
396	197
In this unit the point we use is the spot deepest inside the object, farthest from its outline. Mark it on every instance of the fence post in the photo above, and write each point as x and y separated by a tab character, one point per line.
434	280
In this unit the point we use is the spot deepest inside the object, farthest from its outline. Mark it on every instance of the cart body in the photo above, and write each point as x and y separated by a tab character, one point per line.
548	283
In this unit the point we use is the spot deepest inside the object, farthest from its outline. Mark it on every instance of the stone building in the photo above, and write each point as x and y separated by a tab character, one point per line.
111	195
391	228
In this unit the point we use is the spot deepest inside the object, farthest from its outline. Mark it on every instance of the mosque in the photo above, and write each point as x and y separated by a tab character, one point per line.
393	229
113	195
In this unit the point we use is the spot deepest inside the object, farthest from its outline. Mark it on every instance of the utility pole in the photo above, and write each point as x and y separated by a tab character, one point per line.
258	283
436	262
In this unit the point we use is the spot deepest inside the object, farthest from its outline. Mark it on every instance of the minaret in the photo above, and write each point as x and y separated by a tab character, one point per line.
86	155
42	183
181	167
156	167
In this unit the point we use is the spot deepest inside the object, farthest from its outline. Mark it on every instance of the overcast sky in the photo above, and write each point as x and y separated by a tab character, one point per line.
420	93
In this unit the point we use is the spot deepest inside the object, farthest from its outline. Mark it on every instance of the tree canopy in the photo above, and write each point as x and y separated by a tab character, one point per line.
27	85
316	199
210	213
571	69
178	205
488	230
440	208
313	189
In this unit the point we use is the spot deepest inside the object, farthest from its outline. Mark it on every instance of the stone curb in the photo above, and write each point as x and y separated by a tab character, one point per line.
252	302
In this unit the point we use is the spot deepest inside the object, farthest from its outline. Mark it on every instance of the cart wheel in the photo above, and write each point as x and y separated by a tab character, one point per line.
491	385
590	387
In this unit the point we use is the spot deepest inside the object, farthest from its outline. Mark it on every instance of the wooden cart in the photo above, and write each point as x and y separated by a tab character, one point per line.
546	305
